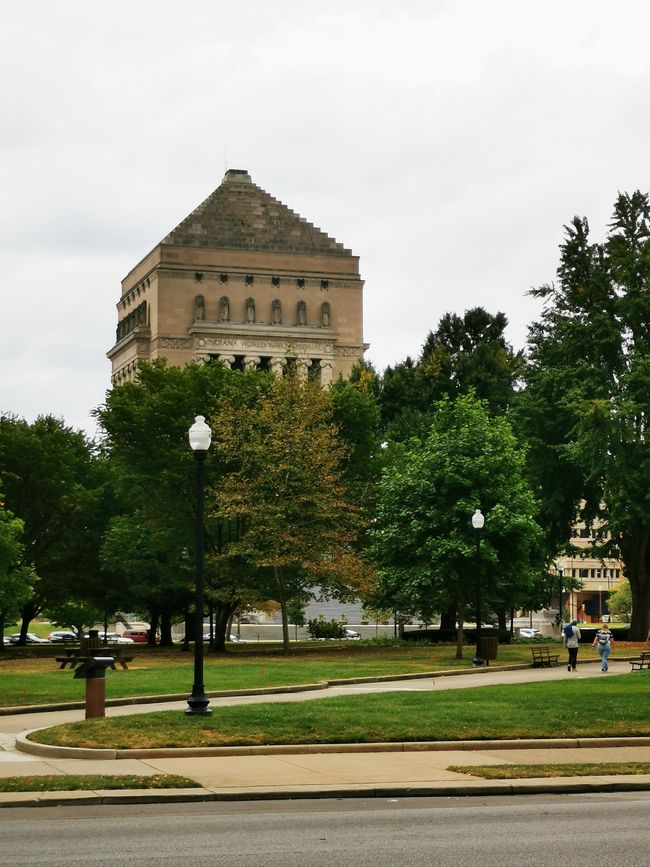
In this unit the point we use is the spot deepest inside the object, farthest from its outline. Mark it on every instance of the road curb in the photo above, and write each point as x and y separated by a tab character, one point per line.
23	744
469	788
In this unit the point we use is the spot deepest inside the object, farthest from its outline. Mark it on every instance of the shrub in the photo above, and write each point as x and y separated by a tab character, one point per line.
321	628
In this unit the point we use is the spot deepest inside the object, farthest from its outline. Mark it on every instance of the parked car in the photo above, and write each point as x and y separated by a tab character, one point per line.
352	635
139	636
529	633
31	638
59	637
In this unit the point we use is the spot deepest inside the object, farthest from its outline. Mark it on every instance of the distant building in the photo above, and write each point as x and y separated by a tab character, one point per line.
598	577
245	280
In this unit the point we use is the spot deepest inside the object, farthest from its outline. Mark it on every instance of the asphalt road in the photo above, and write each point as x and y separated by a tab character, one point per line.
579	830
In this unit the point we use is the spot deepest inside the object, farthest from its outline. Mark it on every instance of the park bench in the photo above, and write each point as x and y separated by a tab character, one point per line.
643	662
543	658
74	656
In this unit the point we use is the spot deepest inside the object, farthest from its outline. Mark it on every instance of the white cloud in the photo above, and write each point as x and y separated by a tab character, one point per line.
446	143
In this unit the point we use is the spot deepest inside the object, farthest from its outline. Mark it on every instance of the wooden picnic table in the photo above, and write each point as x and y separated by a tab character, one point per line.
74	656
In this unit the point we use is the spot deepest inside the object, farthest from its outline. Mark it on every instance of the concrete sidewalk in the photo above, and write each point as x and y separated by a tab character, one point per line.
365	770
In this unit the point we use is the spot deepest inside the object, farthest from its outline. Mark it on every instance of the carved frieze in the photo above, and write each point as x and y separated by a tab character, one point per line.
348	351
175	343
277	347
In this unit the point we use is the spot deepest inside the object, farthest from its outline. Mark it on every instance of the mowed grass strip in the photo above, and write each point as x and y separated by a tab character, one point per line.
39	681
596	707
519	772
83	782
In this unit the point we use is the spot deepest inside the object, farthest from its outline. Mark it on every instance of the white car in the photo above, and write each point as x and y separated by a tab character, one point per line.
352	635
115	638
30	637
59	637
529	633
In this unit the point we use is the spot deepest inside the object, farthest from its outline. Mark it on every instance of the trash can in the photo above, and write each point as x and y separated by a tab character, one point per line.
489	647
92	669
87	645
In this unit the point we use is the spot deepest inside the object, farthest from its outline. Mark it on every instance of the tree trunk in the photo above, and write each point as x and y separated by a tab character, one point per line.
282	592
166	639
448	618
222	616
637	569
461	621
640	622
187	620
28	613
502	619
2	630
154	615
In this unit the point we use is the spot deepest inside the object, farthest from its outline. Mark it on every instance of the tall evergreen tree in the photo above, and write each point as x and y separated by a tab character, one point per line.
587	397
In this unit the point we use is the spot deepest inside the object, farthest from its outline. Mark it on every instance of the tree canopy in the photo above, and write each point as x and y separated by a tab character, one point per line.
587	397
423	539
284	488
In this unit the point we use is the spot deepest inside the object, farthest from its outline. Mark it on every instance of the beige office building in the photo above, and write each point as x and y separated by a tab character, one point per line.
245	280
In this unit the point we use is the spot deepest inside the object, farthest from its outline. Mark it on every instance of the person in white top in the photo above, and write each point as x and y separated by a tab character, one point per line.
604	641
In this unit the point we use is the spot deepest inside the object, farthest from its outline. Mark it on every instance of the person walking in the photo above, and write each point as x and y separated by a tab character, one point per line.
604	641
571	639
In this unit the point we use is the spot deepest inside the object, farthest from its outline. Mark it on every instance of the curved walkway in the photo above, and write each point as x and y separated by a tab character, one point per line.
363	770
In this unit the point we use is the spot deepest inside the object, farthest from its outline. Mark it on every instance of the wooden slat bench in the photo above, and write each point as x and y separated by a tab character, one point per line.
543	658
644	662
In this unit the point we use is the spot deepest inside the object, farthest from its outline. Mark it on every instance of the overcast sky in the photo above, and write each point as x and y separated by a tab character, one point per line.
446	142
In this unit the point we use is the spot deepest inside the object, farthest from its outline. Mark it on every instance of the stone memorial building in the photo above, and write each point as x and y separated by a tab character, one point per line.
245	280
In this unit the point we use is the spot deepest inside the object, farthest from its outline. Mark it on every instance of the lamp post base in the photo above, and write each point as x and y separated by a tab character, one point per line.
198	706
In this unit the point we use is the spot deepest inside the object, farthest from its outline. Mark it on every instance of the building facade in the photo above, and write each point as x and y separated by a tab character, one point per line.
598	578
246	281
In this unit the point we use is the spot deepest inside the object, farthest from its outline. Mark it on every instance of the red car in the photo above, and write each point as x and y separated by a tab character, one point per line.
140	636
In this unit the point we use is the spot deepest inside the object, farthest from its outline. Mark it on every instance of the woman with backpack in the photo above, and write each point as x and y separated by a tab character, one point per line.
571	639
604	641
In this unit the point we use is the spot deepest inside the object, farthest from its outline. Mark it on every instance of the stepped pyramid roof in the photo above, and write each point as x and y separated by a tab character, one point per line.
241	215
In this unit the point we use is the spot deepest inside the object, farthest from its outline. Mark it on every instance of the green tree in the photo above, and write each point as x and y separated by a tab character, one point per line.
587	399
53	483
423	539
284	488
16	582
620	601
464	353
145	424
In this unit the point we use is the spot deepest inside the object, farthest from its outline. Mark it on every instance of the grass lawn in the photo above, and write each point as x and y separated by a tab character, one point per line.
82	782
594	707
37	679
518	772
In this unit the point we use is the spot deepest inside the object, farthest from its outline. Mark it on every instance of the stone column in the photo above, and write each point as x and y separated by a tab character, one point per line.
302	367
202	359
278	366
228	360
326	368
251	361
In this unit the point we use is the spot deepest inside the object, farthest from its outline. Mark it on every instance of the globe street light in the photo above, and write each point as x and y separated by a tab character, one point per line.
477	523
200	437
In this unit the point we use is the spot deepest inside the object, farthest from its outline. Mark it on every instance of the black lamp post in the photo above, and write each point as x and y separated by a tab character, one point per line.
477	523
200	437
560	572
